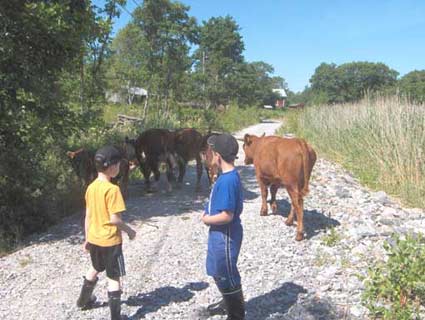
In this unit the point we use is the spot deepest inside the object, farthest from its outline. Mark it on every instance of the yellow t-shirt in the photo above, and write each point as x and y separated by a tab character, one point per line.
102	200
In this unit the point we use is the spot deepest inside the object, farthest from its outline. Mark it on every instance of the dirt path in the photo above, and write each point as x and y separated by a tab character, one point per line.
282	278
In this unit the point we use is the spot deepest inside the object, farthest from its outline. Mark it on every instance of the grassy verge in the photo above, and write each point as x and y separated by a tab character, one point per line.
380	140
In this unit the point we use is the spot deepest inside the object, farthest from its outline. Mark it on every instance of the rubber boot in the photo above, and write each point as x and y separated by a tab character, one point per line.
235	304
115	304
86	299
218	308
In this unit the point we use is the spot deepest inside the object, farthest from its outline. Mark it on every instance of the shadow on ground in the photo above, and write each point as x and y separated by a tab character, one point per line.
314	221
153	301
291	302
277	301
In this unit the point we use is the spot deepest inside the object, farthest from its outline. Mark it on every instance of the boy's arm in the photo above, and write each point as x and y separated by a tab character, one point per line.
116	220
224	217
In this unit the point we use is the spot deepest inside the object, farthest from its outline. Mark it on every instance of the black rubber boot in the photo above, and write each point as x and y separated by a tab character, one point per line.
235	304
218	308
86	300
115	304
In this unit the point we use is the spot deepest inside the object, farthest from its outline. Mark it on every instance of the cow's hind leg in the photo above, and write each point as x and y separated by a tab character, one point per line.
297	207
273	191
264	193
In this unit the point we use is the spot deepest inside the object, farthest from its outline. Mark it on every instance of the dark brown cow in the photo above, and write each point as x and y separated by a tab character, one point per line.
188	144
207	156
153	147
281	162
82	161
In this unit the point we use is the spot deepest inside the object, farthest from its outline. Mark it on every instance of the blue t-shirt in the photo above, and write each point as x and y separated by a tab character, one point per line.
224	241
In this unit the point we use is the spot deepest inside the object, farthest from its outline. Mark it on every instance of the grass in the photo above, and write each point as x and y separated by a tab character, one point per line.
380	140
331	238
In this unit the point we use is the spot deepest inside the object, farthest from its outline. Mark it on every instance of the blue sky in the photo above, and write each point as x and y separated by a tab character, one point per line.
295	36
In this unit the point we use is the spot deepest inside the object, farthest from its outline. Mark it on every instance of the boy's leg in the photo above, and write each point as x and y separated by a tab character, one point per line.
114	297
86	298
235	304
91	274
115	269
233	299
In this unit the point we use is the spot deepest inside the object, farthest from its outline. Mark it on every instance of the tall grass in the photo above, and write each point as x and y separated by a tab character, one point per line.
381	140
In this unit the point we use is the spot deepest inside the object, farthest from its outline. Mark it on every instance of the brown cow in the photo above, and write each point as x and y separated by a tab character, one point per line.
188	144
281	162
153	147
82	161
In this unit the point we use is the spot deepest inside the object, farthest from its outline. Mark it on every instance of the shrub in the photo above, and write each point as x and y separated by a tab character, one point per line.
395	288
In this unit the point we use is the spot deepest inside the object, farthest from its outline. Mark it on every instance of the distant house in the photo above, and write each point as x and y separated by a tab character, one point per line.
126	95
280	101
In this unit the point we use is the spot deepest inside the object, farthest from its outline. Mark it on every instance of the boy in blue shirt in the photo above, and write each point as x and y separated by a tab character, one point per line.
222	215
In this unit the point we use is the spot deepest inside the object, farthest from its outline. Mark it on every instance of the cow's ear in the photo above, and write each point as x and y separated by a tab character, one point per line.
247	139
70	154
264	134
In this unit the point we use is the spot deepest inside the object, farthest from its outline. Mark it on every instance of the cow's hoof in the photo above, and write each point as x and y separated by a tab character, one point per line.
289	222
299	237
263	213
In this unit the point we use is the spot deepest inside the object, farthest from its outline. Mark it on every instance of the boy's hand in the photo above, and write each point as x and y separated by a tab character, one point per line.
86	247
131	234
204	218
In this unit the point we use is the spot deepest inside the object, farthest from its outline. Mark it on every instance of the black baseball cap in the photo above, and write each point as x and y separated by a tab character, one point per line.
107	156
226	145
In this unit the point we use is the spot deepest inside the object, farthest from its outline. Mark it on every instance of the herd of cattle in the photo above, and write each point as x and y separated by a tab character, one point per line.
278	162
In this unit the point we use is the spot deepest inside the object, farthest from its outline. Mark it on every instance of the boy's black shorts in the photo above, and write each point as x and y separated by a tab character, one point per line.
110	259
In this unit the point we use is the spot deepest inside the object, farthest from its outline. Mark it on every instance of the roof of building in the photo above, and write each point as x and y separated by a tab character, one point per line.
281	92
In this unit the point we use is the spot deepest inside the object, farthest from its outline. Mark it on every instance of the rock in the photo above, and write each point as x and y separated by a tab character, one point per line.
381	197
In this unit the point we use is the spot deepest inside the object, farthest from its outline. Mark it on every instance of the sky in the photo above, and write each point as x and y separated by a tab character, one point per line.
296	36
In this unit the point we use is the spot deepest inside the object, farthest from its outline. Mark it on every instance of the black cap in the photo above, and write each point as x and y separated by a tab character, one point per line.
226	145
107	156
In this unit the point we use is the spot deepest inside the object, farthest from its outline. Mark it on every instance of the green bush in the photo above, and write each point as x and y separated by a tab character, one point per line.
395	288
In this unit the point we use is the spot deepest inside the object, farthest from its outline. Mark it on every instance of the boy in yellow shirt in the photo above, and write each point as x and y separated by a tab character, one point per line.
103	226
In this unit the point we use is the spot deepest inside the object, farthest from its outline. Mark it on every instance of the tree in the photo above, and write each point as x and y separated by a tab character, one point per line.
252	84
127	65
350	81
41	42
413	85
167	30
218	58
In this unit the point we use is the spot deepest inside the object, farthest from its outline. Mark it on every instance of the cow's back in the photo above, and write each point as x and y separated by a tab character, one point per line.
155	142
188	143
284	161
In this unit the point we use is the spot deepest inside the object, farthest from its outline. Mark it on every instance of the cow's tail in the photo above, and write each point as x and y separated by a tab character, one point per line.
309	159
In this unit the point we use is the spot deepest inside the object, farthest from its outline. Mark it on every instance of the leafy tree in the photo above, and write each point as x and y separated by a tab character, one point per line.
413	85
218	57
350	81
41	41
252	84
167	30
127	65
